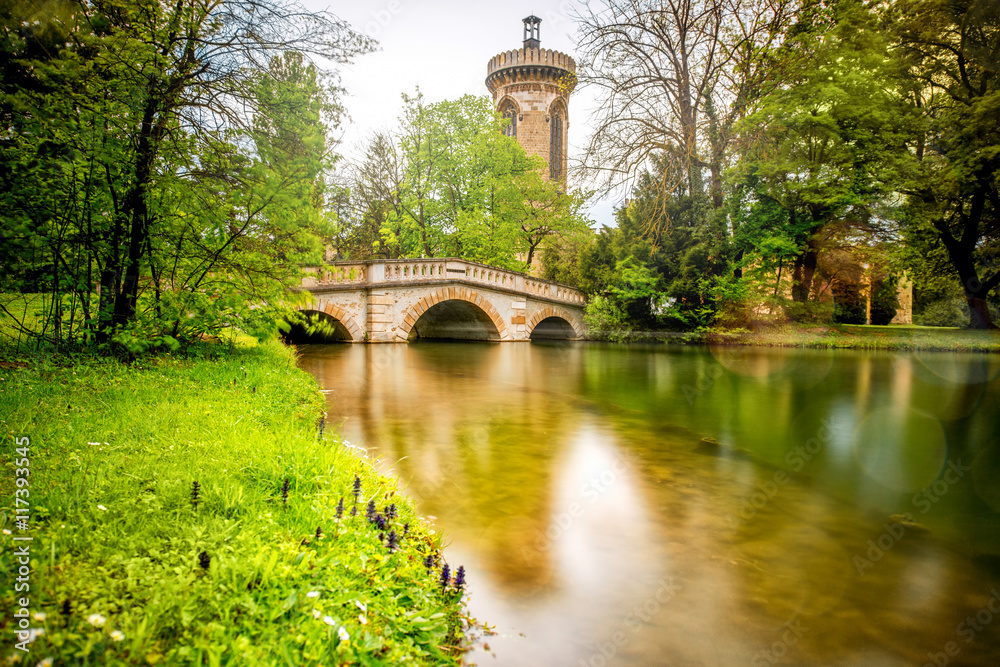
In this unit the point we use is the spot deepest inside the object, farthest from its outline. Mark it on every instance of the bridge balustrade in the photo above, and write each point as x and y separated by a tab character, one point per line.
376	272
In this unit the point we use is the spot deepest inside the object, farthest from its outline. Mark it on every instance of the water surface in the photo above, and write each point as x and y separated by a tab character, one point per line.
630	505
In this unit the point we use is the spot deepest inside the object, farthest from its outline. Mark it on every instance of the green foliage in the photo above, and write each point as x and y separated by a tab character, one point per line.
827	147
605	319
128	570
850	306
885	300
453	184
157	188
952	190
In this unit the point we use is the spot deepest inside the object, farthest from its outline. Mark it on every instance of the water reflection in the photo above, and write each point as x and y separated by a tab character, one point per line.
637	506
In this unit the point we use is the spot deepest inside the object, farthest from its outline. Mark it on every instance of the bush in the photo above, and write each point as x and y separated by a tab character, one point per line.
949	312
885	301
849	304
809	312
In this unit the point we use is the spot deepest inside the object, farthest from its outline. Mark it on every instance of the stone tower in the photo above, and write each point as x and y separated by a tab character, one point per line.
531	86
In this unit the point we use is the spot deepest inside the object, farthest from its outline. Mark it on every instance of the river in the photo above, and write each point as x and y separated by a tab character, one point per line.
654	505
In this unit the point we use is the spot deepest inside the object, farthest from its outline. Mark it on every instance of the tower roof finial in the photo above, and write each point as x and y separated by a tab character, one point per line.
532	39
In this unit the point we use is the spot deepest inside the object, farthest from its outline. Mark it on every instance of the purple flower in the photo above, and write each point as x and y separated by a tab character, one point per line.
354	511
429	561
393	542
340	508
371	513
357	488
445	575
460	578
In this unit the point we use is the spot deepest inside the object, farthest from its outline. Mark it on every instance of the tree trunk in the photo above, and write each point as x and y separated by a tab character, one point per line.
137	209
802	276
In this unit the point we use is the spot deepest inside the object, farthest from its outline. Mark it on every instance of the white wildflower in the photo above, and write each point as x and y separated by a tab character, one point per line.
329	620
118	635
102	508
39	616
97	620
342	633
312	594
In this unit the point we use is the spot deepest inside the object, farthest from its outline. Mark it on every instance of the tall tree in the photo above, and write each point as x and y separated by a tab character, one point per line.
828	145
672	77
952	48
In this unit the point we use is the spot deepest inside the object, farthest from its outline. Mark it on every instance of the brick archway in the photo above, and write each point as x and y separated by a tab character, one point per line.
452	294
554	311
341	316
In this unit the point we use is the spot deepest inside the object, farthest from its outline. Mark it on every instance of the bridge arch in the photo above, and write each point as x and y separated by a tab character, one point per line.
475	307
348	328
560	318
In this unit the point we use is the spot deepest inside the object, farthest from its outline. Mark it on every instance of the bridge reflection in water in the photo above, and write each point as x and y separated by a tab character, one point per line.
395	301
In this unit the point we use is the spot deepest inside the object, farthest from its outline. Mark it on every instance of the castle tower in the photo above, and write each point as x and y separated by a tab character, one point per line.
531	86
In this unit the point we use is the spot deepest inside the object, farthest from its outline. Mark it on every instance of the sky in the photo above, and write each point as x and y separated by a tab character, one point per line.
443	46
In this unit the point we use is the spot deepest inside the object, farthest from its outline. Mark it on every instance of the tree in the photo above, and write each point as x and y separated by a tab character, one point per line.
673	78
951	49
452	183
155	123
824	151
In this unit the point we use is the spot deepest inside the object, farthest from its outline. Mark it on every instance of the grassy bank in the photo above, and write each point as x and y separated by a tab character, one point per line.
865	337
184	511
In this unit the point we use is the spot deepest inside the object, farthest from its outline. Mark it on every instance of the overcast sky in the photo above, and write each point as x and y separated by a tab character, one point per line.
443	46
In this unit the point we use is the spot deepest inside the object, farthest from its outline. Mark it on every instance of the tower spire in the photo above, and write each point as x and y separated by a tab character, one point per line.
532	39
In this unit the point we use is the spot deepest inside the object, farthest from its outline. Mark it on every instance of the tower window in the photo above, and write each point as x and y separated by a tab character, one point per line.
509	111
556	148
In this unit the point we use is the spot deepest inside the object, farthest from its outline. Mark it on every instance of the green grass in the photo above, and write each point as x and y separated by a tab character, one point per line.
866	337
114	453
869	337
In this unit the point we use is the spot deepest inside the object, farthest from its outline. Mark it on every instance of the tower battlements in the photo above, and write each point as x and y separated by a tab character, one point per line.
526	63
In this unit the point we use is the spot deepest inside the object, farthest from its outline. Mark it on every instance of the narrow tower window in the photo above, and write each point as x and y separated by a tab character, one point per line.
509	111
556	148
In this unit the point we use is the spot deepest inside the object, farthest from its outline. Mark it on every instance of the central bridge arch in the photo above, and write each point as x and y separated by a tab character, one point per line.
456	313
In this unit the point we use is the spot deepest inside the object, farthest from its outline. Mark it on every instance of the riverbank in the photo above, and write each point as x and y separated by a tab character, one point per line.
845	336
186	510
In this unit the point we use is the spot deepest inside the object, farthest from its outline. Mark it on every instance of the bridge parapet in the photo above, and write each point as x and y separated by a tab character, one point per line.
341	273
376	273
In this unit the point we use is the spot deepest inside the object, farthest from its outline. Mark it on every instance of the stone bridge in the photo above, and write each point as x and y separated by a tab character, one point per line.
395	301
